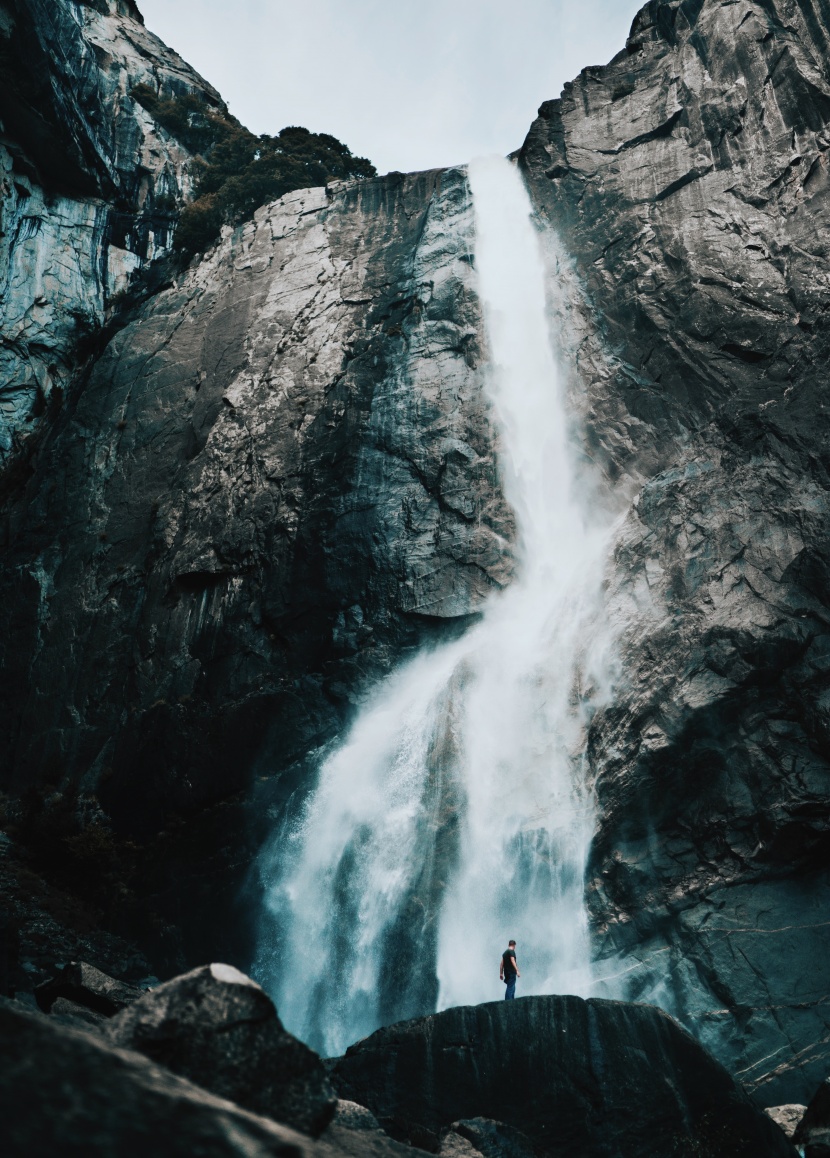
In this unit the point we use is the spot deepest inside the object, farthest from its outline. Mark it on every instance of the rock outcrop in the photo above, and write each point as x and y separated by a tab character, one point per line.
89	186
278	477
217	1028
65	1091
44	922
577	1078
86	986
688	180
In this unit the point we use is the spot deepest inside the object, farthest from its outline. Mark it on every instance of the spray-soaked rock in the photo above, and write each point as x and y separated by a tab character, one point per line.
220	1029
688	180
579	1078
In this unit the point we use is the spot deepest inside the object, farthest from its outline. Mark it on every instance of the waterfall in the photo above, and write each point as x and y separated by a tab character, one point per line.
455	813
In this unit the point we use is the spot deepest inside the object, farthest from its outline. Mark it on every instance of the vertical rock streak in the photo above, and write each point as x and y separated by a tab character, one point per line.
454	814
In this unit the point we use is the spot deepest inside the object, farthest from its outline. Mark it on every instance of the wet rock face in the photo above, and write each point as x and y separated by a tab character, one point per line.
689	182
277	478
554	1075
89	185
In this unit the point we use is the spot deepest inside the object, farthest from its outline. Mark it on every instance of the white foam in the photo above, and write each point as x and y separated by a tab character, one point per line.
491	725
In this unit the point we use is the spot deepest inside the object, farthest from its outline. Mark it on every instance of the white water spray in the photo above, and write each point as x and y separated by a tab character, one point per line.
455	813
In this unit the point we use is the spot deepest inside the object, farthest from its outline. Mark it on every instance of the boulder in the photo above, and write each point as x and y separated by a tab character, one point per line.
484	1138
787	1117
220	1029
454	1145
70	1093
356	1132
86	986
71	1013
813	1131
351	1116
581	1079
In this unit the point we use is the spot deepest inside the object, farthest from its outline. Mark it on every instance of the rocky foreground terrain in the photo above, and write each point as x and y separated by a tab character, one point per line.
235	494
201	1064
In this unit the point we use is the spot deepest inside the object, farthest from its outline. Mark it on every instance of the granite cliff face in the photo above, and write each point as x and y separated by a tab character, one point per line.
689	181
89	185
278	477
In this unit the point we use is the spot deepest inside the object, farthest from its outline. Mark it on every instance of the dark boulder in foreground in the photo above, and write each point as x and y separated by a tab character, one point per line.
581	1079
220	1029
813	1131
64	1091
67	1092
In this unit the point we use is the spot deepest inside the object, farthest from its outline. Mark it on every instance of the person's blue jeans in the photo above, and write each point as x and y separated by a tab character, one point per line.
510	988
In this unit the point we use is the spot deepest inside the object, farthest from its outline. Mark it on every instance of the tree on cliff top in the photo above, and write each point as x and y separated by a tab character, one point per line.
239	171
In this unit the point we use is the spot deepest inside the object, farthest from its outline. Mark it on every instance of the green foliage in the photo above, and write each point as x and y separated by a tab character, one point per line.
240	171
187	117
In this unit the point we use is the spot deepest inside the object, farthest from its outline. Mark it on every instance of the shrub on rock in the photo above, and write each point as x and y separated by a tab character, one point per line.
239	171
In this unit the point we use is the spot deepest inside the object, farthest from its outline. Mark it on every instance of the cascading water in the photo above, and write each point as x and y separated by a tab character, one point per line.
455	813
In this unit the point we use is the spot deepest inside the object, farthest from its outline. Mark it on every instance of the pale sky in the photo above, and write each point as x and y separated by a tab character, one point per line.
410	84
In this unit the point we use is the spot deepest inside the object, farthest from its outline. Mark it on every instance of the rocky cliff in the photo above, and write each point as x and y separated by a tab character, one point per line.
689	181
89	185
278	476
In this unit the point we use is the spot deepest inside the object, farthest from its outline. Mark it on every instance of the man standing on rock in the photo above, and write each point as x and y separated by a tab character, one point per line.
509	970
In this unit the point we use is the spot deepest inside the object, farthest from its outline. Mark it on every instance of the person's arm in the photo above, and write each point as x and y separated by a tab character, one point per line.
501	968
516	967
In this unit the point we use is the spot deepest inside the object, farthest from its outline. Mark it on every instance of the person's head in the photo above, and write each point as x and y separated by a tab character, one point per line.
511	944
